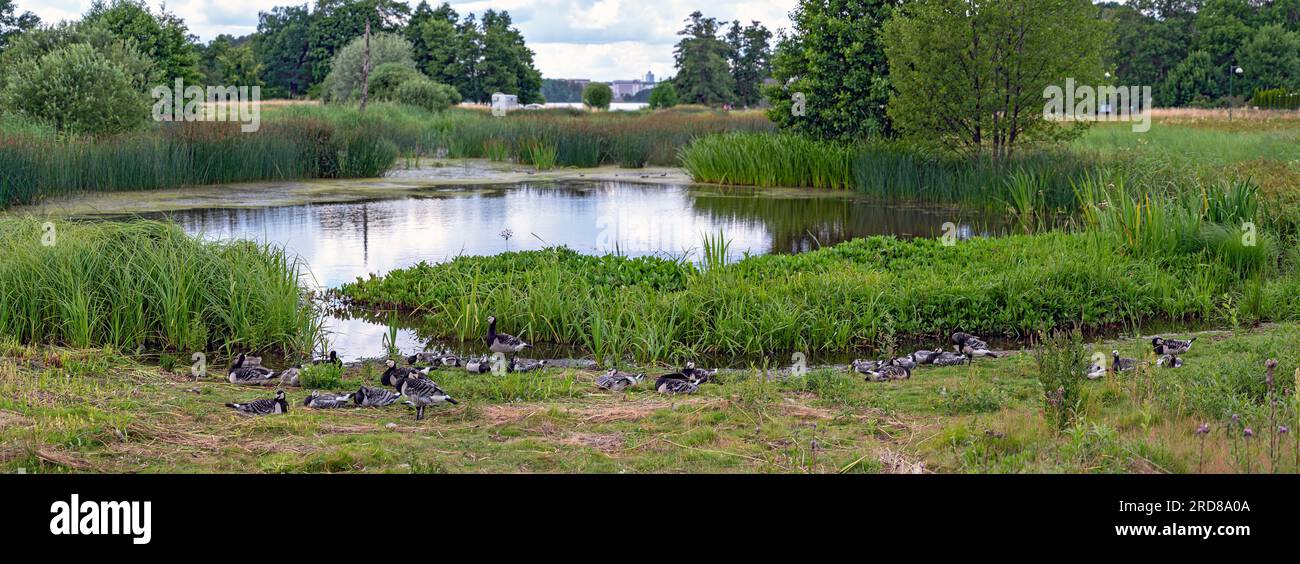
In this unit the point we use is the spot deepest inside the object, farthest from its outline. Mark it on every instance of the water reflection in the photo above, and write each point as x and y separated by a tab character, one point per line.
344	241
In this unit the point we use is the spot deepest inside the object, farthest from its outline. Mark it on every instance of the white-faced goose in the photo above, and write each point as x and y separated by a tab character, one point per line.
1172	346
501	342
374	397
394	372
248	375
1121	364
616	381
263	406
889	372
422	393
971	346
325	400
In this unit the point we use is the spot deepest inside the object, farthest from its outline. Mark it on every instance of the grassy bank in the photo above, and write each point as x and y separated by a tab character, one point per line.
89	411
865	293
147	287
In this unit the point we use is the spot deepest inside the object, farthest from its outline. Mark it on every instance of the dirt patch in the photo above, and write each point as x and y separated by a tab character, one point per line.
503	414
607	443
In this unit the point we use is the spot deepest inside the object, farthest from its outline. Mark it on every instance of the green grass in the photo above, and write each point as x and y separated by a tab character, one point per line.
756	159
147	286
863	293
81	410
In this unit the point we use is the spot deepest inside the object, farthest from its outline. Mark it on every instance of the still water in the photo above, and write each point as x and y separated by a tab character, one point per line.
340	242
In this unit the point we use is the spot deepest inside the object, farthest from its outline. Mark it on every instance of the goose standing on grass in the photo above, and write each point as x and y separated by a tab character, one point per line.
333	358
421	393
945	358
249	375
1121	364
374	397
1172	346
971	346
394	372
322	400
616	381
263	406
502	342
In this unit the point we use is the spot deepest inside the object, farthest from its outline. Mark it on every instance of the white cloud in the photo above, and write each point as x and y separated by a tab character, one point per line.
598	39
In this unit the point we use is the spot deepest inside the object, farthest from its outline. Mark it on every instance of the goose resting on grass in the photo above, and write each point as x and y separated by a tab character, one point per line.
924	357
1167	359
525	365
676	383
248	375
394	372
502	342
374	397
889	372
263	406
701	374
616	381
1121	364
481	365
421	393
1095	371
324	400
971	346
865	366
945	358
1172	346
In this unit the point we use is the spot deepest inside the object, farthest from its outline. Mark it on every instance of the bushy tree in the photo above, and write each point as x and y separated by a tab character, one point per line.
12	22
958	82
1195	79
121	52
344	82
436	53
1271	59
162	37
231	61
835	60
703	75
337	23
507	64
751	60
664	95
281	47
597	95
426	94
385	79
76	90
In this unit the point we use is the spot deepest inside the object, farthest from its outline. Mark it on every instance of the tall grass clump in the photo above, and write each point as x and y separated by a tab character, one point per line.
768	160
1060	359
146	286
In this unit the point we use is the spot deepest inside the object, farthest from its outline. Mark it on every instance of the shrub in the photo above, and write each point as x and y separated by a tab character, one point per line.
75	90
663	96
1060	358
327	376
597	95
385	79
427	94
343	83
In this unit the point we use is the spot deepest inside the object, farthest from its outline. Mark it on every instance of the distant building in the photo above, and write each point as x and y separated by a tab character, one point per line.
629	88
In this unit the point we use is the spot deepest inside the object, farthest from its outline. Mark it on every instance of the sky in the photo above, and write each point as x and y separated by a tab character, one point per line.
595	39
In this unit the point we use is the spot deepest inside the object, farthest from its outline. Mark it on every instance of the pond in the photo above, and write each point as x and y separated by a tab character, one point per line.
343	241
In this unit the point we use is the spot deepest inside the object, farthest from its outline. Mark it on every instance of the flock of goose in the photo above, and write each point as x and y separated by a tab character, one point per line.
412	381
965	348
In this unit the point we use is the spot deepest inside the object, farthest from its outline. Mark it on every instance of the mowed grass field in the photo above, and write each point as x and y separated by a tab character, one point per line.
92	411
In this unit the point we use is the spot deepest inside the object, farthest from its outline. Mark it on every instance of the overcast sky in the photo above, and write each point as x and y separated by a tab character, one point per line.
597	39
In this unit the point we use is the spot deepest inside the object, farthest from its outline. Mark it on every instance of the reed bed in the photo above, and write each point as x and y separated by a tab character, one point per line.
146	286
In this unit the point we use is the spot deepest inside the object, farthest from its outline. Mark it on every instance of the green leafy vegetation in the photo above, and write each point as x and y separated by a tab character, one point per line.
146	286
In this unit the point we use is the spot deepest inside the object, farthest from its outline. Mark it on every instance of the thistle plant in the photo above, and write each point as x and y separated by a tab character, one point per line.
1248	433
1202	431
